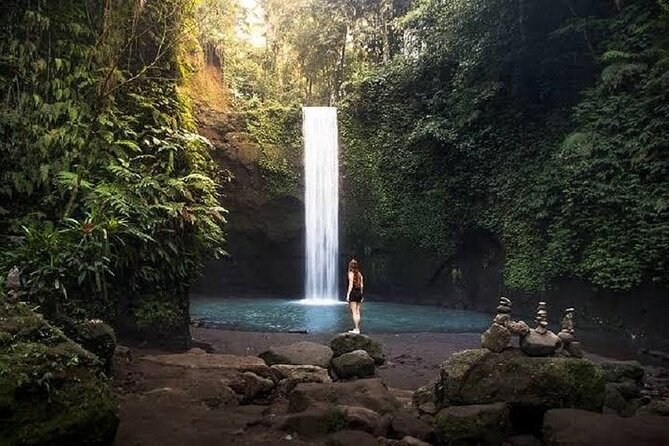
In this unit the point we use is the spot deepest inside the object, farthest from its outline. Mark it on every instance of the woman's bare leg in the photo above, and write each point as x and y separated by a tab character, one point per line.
355	308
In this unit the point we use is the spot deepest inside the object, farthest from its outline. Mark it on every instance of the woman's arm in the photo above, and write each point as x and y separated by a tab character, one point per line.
362	283
350	286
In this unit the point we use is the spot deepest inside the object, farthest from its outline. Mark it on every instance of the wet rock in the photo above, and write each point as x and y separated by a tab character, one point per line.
356	364
536	343
615	371
481	376
300	353
370	393
575	427
404	424
349	342
122	354
496	338
350	438
486	424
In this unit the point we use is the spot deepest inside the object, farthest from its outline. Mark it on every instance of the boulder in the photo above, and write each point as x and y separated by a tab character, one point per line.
404	424
213	393
52	391
370	393
361	418
356	364
616	371
288	376
351	437
300	353
95	336
540	344
496	338
321	419
575	427
251	386
474	424
350	342
481	376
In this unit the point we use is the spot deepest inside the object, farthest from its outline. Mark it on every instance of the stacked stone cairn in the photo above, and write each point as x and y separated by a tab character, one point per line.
570	346
13	284
498	336
540	341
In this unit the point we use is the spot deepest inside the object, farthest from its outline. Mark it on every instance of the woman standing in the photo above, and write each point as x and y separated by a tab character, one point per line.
354	295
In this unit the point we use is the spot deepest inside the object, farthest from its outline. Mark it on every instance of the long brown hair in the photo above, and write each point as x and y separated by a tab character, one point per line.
354	267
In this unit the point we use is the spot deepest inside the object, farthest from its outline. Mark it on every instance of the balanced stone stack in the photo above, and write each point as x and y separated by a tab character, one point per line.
540	341
571	347
498	336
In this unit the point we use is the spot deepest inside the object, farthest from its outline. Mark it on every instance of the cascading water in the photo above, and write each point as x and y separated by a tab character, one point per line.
321	166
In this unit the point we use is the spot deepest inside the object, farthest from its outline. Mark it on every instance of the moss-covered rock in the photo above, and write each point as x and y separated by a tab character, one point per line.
350	342
482	377
95	336
52	391
486	424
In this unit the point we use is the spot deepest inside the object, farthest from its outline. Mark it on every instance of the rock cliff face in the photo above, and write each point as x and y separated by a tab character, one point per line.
265	230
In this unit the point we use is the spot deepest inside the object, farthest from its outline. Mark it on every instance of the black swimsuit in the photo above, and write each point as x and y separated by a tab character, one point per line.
356	295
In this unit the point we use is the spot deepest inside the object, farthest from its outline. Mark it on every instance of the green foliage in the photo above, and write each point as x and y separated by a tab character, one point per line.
278	132
152	313
106	194
544	123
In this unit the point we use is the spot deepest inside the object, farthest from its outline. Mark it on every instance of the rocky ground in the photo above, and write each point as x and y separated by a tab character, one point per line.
241	393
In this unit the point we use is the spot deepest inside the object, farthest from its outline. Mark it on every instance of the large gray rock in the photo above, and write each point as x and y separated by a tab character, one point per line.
322	418
300	353
370	393
349	342
572	427
356	364
540	344
481	376
486	424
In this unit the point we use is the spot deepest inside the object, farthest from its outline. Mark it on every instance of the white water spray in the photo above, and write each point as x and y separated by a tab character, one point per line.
321	167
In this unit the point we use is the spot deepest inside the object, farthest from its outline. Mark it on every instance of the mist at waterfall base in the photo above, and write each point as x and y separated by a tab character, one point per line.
321	204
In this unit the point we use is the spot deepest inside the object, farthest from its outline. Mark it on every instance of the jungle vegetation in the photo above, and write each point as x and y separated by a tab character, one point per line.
544	123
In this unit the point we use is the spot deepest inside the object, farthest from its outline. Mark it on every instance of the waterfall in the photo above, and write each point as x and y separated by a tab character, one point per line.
321	168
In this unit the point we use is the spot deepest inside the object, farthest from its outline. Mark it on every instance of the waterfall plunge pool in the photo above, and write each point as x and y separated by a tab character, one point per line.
283	315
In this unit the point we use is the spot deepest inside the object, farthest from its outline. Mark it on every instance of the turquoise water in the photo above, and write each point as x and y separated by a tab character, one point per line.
260	314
